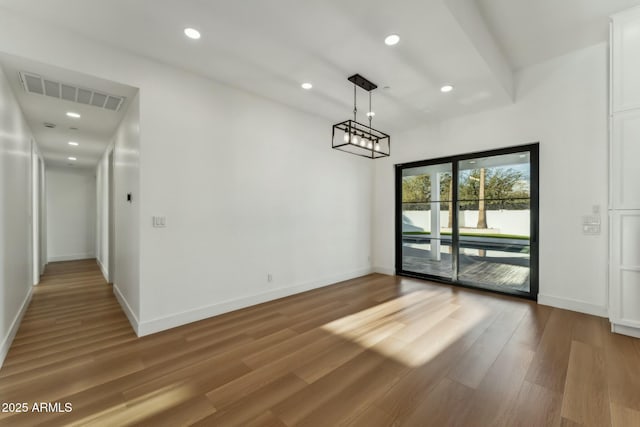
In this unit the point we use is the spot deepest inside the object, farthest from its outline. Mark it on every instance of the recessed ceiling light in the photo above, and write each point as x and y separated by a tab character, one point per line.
192	33
392	39
306	86
73	115
75	144
446	88
72	158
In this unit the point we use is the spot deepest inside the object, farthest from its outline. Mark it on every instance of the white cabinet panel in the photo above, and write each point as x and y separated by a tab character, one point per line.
625	159
624	274
630	240
625	66
630	296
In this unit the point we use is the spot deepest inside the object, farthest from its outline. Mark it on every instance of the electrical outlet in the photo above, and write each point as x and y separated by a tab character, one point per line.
269	277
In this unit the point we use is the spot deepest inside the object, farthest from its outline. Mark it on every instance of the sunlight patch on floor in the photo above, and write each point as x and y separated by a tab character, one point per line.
365	318
141	407
398	329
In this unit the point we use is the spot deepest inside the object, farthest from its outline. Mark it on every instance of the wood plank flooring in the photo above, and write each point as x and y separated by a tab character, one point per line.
373	351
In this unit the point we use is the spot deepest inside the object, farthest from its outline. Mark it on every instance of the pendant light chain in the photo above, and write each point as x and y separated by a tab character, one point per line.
370	114
355	104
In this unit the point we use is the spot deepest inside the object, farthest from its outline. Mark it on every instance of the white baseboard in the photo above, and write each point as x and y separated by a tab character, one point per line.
13	330
171	321
625	330
573	305
133	319
72	257
385	270
104	270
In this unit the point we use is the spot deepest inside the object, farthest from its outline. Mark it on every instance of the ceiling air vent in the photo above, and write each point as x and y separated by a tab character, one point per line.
34	83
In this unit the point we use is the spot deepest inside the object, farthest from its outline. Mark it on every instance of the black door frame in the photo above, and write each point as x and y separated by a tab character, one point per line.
533	149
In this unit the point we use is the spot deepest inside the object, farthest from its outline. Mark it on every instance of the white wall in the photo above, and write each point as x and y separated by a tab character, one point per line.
16	255
102	214
71	213
43	216
127	282
248	187
563	105
36	215
103	210
208	155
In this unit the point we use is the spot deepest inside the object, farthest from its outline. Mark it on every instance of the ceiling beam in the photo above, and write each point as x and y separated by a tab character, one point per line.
468	15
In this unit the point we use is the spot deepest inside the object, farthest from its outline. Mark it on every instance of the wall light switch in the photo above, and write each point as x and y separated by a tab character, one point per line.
159	221
591	224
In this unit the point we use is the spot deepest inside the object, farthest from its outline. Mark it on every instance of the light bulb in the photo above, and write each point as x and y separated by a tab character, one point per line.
370	145
192	33
354	140
377	146
346	137
392	39
363	142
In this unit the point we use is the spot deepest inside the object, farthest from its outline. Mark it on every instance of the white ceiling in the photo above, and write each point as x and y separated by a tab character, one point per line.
532	31
271	47
95	127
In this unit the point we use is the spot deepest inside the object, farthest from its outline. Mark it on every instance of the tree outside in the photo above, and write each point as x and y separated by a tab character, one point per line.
479	189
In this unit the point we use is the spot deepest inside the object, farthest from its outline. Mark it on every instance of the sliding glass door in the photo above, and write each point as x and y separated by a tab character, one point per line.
471	220
427	220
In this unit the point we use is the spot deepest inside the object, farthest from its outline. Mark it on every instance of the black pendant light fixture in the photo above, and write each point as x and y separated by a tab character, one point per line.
357	138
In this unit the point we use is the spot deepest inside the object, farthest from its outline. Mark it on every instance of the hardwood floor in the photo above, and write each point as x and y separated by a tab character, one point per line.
373	351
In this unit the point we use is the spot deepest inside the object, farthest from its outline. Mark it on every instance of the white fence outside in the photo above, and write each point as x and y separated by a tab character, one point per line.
498	221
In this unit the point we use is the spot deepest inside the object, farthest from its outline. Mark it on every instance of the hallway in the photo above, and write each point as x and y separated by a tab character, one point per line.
370	351
72	319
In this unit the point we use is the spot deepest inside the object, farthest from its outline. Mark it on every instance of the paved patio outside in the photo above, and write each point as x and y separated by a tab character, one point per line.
509	272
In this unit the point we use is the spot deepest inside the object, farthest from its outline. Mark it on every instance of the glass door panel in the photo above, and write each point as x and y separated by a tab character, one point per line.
427	218
494	222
